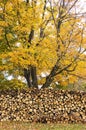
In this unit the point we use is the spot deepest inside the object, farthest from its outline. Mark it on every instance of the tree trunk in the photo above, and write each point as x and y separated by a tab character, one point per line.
31	77
49	80
27	77
50	77
30	73
34	77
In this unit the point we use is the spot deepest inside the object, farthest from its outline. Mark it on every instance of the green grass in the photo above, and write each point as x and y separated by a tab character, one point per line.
33	126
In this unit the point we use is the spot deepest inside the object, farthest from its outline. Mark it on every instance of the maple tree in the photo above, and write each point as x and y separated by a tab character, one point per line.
39	36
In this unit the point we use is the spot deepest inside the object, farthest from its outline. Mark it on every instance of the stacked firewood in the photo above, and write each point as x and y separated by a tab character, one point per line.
45	106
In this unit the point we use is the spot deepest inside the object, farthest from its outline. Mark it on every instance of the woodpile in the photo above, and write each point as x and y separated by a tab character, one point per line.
45	106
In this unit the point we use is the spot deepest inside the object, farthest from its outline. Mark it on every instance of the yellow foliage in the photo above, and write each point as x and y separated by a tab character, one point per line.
72	79
62	44
64	83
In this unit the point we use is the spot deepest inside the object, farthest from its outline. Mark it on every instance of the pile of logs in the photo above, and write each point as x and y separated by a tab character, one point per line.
45	106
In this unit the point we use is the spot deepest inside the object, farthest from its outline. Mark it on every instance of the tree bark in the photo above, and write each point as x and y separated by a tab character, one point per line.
50	77
27	77
31	77
34	77
30	73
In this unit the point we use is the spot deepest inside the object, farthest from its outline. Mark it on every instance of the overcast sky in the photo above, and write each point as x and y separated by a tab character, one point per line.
82	5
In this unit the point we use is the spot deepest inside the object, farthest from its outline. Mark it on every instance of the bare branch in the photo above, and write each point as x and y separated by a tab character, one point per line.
72	6
71	70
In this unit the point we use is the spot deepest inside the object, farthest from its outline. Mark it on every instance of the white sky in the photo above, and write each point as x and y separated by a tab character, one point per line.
82	5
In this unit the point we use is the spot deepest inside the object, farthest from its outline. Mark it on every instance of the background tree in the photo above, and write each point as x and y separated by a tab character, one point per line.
42	36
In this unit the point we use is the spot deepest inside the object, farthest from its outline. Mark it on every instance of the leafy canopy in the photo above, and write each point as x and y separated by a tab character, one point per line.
59	39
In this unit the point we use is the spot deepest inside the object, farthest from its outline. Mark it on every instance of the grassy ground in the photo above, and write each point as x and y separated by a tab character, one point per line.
27	126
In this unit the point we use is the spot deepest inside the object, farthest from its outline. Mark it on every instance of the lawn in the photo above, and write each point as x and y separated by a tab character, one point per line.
27	126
